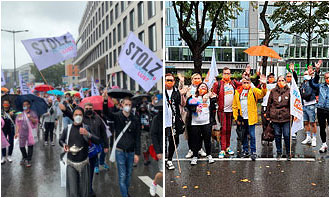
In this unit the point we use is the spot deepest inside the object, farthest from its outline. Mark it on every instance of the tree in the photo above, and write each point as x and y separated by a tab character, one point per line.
52	74
307	20
192	21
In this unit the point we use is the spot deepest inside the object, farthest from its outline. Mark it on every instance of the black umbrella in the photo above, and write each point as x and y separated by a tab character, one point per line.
137	98
119	93
38	104
11	98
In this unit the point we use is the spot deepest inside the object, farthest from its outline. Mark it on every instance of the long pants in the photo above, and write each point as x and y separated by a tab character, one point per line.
92	163
225	119
9	134
101	160
251	131
49	129
323	119
28	155
282	128
264	121
171	147
200	134
77	184
125	166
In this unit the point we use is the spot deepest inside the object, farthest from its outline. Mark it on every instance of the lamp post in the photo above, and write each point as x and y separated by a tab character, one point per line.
14	32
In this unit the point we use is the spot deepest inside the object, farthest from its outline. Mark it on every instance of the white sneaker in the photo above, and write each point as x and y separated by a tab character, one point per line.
323	148
53	143
9	159
314	142
170	165
202	153
153	189
46	143
308	140
211	160
3	160
193	161
189	154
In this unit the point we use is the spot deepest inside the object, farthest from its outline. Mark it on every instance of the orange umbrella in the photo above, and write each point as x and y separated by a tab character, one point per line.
262	51
4	89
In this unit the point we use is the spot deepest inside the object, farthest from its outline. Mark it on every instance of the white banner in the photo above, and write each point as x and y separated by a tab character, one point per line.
94	89
81	93
24	88
296	108
46	52
3	79
140	63
70	87
212	73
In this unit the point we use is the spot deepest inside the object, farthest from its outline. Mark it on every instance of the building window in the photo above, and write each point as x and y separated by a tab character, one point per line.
106	6
97	33
119	31
132	84
140	13
125	27
107	21
152	37
96	18
106	61
141	36
124	80
106	43
114	36
118	79
102	9
116	11
99	14
103	27
122	5
151	9
119	50
110	39
240	56
161	5
114	57
110	59
111	17
131	22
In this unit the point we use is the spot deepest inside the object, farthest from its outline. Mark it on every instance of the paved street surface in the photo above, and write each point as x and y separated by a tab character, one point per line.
43	178
306	175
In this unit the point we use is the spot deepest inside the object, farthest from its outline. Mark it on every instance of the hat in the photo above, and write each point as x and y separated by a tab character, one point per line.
77	95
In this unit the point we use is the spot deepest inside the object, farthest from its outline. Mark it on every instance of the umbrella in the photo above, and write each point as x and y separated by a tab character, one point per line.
85	89
137	99
97	102
71	92
43	88
55	92
119	93
262	51
11	98
4	89
38	104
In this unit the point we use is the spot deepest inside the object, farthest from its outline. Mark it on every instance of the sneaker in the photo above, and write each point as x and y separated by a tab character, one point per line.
170	165
9	159
96	170
323	148
189	154
153	189
222	155
53	143
202	153
294	137
229	151
314	142
308	140
28	163
105	166
254	157
246	155
288	158
278	156
3	160
22	162
193	161
211	160
46	143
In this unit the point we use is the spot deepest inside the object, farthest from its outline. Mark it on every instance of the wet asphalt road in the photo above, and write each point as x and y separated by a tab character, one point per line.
306	175
43	178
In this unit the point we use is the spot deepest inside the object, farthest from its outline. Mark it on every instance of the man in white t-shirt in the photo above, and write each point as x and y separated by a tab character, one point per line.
271	84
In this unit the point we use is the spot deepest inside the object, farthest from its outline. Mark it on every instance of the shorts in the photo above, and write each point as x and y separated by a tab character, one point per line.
309	113
160	165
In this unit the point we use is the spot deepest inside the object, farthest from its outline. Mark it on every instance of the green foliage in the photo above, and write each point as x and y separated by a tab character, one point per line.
52	74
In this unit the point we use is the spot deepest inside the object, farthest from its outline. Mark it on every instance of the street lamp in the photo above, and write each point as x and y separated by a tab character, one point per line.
14	32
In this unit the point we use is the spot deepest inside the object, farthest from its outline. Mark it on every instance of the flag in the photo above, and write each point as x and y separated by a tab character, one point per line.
46	52
24	88
296	108
81	93
3	79
94	90
70	87
212	73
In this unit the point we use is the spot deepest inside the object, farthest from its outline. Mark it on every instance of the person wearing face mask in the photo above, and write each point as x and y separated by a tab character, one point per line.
145	121
75	141
25	123
129	145
76	99
9	116
202	110
308	95
245	105
288	76
278	112
49	119
322	105
151	106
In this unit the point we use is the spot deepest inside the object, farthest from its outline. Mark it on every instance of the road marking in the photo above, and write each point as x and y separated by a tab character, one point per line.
148	181
248	159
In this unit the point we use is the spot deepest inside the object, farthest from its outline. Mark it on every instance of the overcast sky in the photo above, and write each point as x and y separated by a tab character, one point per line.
42	19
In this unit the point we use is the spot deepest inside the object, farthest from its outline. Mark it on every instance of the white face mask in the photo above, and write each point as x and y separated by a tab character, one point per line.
127	109
78	119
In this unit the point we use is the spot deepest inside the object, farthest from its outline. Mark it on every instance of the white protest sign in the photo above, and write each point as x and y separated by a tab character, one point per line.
46	52
296	108
3	79
94	89
24	88
140	63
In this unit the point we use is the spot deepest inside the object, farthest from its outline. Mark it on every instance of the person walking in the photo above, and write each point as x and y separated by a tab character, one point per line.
9	116
49	119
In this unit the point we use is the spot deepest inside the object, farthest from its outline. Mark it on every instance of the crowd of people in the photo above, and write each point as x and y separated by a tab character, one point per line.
86	136
198	110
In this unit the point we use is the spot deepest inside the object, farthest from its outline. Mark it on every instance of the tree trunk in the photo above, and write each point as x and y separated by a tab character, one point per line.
308	51
264	64
267	39
197	58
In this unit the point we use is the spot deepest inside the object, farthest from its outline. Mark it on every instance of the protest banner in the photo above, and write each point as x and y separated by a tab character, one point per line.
212	73
296	108
3	79
94	89
23	86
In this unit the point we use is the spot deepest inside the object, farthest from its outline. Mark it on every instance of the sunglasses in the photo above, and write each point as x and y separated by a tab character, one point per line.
169	80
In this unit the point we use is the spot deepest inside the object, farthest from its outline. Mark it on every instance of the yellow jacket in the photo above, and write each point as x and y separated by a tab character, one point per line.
251	103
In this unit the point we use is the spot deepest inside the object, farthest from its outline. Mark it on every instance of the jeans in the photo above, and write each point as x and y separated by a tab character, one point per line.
309	113
27	156
100	161
10	137
66	121
249	130
282	128
125	166
49	128
92	162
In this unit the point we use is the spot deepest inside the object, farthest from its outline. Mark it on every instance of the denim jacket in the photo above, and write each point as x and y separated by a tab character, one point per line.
323	92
